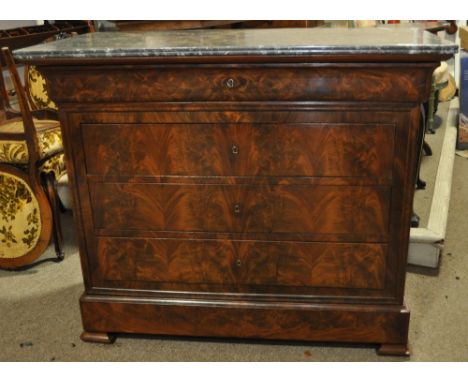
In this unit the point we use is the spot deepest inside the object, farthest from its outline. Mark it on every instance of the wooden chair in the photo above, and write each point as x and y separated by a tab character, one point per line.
31	159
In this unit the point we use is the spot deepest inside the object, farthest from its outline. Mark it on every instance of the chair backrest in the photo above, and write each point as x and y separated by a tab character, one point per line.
26	115
35	83
4	99
36	90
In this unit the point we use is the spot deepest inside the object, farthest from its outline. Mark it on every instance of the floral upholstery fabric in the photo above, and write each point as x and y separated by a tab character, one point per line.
20	221
16	152
20	215
56	164
37	90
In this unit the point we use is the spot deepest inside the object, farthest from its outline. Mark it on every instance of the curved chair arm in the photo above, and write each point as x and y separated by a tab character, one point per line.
41	161
12	113
40	114
45	114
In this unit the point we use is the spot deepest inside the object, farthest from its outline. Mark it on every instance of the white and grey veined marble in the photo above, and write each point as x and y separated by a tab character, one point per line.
242	42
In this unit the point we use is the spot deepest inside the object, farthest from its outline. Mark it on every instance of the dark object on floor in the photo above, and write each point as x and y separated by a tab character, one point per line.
415	220
427	149
420	184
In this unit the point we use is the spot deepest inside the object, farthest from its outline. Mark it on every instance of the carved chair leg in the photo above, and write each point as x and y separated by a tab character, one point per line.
420	184
430	110
422	146
61	206
51	191
427	149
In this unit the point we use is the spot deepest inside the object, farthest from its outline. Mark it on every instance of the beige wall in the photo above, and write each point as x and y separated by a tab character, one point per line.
9	24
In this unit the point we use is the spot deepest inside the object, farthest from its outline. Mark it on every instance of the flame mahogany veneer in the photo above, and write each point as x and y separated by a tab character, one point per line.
249	197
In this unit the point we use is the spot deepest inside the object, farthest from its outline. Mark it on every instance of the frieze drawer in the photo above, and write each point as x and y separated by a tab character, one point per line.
247	83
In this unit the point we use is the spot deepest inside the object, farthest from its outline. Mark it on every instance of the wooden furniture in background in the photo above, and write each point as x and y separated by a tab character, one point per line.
31	159
25	36
253	193
150	25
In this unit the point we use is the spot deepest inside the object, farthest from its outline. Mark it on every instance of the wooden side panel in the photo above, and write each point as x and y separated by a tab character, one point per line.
333	265
308	149
233	208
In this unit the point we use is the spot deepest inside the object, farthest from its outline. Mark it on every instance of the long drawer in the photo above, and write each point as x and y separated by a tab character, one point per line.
227	262
241	83
242	149
354	210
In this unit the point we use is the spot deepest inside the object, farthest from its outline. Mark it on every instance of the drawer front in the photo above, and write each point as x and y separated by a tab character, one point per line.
305	149
242	83
293	264
244	209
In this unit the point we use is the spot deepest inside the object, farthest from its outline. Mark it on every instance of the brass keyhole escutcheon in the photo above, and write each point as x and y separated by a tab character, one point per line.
230	83
236	209
235	149
238	262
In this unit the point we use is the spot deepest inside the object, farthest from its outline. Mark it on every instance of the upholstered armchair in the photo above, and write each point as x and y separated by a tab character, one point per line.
31	162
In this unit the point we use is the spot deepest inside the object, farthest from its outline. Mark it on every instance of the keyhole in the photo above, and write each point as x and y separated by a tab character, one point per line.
237	209
230	83
235	149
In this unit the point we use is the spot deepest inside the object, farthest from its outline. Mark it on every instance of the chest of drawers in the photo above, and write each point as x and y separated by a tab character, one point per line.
243	191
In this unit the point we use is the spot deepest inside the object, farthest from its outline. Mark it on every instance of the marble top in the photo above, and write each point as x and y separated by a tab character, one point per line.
218	42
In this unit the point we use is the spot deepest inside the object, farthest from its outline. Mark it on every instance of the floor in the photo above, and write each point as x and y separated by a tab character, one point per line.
40	318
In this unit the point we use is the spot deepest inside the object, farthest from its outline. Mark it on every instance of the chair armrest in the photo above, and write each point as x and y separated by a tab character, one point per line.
41	161
45	114
12	113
